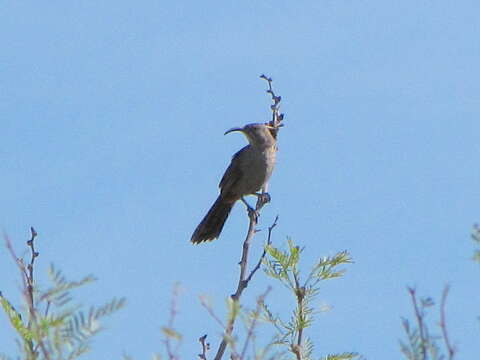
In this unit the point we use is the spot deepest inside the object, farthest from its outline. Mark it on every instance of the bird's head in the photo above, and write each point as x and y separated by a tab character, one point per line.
256	134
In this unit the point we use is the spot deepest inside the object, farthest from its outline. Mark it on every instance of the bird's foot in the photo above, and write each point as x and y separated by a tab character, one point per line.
263	198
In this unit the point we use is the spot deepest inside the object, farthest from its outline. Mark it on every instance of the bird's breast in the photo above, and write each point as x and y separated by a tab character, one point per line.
260	166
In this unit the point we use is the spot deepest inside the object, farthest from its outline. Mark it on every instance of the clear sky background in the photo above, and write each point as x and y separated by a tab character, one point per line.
112	116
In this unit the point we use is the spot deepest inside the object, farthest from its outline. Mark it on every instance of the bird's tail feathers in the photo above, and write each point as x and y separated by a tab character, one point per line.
212	224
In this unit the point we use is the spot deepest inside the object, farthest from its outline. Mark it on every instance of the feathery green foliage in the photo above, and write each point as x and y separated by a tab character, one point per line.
15	319
52	327
283	266
342	356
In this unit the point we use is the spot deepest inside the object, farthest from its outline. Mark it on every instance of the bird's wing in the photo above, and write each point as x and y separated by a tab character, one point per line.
233	174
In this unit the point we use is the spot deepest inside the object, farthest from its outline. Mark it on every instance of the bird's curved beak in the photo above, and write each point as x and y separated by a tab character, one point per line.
232	130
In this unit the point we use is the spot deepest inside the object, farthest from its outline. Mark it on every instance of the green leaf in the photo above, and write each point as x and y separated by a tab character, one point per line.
59	293
342	356
171	333
15	319
233	308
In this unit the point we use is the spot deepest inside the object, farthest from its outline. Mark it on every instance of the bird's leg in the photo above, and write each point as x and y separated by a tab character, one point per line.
252	213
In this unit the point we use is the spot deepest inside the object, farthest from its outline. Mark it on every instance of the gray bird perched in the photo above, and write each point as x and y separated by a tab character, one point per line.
248	173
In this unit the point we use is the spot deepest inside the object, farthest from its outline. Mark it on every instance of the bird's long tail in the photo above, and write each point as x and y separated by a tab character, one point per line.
212	224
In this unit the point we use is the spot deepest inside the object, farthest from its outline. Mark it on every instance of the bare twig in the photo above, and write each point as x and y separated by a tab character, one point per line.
269	242
260	302
243	280
169	331
277	118
242	283
34	253
29	275
205	347
443	324
28	289
23	272
206	305
421	325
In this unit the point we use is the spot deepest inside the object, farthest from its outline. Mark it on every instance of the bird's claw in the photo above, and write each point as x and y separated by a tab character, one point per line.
263	198
266	197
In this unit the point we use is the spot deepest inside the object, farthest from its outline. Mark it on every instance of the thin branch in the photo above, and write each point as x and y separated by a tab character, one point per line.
260	302
421	325
205	347
210	310
300	295
443	324
170	332
29	275
275	107
242	283
243	280
269	242
34	254
23	272
28	286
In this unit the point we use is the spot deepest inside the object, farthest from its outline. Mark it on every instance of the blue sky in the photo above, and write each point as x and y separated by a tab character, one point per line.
111	121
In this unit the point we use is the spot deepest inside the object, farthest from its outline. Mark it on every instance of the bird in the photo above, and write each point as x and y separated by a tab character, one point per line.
248	173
